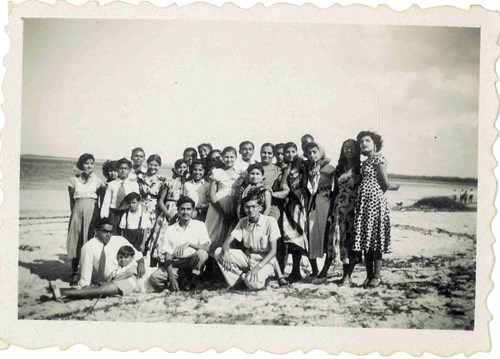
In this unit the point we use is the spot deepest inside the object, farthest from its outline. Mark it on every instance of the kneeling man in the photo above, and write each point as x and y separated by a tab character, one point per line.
185	246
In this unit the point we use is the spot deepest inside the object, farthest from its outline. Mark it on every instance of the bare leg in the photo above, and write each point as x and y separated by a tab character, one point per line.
106	290
377	266
369	267
326	267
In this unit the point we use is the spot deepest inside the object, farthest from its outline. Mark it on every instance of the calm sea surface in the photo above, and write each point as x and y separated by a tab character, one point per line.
44	192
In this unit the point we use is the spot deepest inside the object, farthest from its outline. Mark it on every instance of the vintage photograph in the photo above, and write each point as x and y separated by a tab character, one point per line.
250	172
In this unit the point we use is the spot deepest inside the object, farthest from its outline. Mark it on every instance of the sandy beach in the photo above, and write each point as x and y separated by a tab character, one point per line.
429	282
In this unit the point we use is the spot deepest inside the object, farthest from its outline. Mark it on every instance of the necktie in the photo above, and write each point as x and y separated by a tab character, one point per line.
102	266
120	196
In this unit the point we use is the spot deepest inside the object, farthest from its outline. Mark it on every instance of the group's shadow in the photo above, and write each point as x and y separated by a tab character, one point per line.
49	269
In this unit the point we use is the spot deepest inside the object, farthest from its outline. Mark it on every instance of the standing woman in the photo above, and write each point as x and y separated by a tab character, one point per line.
372	222
346	178
271	174
319	187
150	186
170	193
294	219
83	193
224	189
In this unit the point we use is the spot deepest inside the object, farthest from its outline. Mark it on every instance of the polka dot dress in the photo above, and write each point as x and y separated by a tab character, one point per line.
372	222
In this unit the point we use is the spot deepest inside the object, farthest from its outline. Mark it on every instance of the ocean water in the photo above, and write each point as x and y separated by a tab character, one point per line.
43	187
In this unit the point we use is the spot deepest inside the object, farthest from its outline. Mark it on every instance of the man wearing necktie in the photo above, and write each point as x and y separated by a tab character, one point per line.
99	257
113	204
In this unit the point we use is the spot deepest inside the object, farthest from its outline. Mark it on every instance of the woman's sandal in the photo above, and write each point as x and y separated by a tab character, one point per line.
56	293
366	283
375	282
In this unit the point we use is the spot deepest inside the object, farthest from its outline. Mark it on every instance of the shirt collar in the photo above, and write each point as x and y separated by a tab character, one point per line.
259	223
202	181
179	228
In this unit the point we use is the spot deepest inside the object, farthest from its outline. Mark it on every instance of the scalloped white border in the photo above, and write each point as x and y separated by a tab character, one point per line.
488	110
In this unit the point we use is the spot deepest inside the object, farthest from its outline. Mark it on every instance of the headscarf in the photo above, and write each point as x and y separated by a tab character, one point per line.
321	152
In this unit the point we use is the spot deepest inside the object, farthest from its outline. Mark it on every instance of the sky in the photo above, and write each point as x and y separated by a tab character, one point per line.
107	86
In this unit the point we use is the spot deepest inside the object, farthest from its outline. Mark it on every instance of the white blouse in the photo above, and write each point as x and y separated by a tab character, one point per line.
85	189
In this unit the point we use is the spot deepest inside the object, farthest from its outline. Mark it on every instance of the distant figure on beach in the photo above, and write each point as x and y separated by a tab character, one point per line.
455	195
463	197
372	223
471	196
83	193
466	196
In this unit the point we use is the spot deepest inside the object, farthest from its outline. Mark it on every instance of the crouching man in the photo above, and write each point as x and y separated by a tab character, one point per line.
185	247
259	234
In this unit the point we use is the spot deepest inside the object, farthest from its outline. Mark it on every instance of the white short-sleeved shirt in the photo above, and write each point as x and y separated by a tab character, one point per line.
198	192
257	236
85	189
175	236
130	220
91	255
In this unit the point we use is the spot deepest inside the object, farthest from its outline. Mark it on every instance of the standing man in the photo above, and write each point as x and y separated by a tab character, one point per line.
185	246
246	150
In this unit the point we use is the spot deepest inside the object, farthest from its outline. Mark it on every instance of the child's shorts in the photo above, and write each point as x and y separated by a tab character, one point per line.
126	286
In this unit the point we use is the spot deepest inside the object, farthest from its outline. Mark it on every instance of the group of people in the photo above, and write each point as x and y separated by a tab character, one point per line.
465	196
222	212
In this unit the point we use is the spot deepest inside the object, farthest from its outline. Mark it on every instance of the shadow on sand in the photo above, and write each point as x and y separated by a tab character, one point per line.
49	269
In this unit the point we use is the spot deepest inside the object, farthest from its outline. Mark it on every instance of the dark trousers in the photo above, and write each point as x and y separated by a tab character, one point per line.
183	266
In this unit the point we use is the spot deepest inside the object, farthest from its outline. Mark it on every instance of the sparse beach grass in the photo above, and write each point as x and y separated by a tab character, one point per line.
441	203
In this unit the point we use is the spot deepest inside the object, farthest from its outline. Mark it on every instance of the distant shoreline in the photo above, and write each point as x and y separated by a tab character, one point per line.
392	176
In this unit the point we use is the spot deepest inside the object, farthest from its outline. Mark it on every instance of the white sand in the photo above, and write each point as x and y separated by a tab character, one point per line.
429	281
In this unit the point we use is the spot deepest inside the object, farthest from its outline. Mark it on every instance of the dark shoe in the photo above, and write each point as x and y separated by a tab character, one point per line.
195	283
74	279
294	277
366	282
375	282
282	282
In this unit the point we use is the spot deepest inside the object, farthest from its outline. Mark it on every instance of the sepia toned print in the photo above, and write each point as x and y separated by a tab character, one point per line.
373	218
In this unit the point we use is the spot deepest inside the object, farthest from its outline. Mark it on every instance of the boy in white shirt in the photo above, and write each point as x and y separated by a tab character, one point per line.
135	223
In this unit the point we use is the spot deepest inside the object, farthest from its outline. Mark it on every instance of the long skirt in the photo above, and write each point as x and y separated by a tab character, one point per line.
81	225
219	225
294	220
317	224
